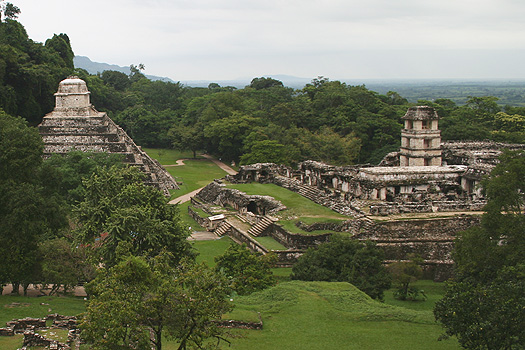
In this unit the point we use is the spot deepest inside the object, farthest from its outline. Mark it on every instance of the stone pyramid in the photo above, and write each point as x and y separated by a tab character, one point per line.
75	124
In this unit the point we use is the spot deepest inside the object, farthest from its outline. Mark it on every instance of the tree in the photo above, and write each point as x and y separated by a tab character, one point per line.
266	151
484	305
187	138
136	303
265	83
120	81
63	266
248	272
67	171
486	315
227	135
343	259
403	274
118	207
9	10
29	211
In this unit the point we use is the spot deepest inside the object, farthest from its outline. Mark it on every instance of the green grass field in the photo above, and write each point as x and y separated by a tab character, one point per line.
168	156
194	174
332	315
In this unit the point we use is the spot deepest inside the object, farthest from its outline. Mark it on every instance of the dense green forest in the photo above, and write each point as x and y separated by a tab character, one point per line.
265	121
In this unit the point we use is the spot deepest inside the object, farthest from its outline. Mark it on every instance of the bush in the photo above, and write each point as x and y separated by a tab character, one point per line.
345	260
249	272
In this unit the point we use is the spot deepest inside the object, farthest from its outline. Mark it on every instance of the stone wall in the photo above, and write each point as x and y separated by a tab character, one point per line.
241	237
296	240
385	209
218	194
204	222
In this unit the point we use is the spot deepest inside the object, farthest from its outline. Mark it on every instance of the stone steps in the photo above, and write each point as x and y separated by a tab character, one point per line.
259	227
222	229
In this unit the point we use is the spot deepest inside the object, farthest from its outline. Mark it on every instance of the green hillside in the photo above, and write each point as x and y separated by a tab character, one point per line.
332	315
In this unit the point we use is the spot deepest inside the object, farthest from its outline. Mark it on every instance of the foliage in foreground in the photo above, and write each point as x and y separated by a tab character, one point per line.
137	297
485	305
248	272
345	260
119	207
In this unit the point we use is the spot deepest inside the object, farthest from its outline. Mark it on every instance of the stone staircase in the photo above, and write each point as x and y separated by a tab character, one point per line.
222	229
320	197
259	227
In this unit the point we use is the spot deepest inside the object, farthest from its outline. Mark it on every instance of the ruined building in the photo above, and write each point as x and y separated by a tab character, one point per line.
414	202
75	124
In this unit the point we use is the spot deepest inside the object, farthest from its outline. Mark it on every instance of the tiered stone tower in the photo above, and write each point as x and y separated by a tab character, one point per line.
75	124
421	138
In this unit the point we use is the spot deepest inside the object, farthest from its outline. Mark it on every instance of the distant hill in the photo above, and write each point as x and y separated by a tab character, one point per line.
509	92
97	67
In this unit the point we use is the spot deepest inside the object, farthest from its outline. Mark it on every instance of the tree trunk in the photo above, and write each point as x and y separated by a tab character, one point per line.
16	287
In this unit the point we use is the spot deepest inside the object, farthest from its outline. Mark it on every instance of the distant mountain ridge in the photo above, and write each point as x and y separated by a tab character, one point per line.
97	67
509	92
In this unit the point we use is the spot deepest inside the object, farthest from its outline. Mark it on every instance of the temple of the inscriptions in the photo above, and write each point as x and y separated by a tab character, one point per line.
75	124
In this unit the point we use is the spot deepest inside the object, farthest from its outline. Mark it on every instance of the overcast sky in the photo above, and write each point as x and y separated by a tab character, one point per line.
338	39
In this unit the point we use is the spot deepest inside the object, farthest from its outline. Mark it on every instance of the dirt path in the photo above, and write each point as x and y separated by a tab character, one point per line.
179	163
203	236
220	164
186	197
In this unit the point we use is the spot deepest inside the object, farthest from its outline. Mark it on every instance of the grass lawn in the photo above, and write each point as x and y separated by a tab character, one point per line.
296	315
433	290
194	174
168	156
187	220
270	243
324	315
208	250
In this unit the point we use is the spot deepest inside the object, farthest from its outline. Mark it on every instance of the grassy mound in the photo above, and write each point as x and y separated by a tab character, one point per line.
328	315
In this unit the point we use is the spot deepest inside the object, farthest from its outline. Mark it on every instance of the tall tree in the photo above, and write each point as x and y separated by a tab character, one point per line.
9	10
137	303
484	305
119	207
248	271
28	211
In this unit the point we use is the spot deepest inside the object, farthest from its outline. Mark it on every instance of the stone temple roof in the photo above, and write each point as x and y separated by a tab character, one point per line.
421	113
72	84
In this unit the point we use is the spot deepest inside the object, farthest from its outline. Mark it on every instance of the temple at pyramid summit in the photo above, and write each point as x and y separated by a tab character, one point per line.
75	124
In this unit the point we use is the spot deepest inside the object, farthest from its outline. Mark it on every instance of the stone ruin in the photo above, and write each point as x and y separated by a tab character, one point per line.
425	178
30	326
75	124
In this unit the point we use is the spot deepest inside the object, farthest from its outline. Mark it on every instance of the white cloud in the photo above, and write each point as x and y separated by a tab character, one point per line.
221	39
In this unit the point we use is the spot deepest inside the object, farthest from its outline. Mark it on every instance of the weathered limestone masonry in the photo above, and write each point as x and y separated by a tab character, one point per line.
30	327
216	193
75	124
